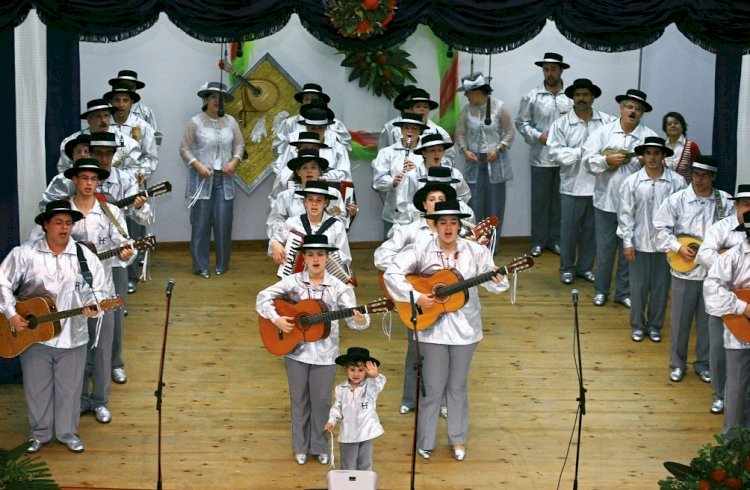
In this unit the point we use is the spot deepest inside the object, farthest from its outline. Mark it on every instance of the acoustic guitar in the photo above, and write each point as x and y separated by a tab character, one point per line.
312	322
679	264
450	290
148	242
44	323
154	191
739	325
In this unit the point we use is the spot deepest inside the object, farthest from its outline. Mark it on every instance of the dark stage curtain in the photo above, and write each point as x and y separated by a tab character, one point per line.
479	26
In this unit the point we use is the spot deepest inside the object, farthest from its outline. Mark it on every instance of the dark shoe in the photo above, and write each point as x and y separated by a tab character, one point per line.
676	375
654	335
588	275
132	287
637	335
203	274
566	277
536	250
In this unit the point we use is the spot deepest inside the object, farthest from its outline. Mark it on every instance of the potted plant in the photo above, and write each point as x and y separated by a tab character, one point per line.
20	472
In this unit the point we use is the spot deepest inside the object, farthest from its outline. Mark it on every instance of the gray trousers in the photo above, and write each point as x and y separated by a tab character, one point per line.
649	288
410	374
717	357
687	302
310	388
607	244
577	241
52	384
545	206
356	455
446	369
135	231
120	277
98	365
215	213
737	391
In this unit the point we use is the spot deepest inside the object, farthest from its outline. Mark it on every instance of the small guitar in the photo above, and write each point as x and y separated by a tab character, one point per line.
739	325
262	93
483	228
154	191
146	243
628	154
312	322
679	264
44	323
450	290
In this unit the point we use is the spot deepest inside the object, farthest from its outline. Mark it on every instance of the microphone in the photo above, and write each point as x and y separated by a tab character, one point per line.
487	118
574	293
170	287
413	308
221	104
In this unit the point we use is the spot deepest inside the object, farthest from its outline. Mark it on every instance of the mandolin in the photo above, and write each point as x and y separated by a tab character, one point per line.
44	323
739	325
679	264
312	322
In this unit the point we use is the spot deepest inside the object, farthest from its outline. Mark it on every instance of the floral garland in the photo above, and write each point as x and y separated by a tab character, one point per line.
384	72
725	467
360	18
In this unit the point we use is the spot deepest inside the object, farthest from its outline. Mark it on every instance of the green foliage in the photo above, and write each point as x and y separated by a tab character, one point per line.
21	472
360	18
384	72
725	466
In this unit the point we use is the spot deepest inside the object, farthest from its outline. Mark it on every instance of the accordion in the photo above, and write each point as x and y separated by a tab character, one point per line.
294	262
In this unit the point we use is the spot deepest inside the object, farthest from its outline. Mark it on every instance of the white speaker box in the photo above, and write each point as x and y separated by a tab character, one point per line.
352	480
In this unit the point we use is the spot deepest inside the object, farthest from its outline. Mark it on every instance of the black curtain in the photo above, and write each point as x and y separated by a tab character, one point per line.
726	110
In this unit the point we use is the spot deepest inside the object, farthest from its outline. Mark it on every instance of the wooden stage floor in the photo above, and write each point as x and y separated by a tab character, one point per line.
226	407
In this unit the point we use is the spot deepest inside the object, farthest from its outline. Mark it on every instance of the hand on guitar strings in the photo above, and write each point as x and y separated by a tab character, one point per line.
285	323
426	300
18	323
686	253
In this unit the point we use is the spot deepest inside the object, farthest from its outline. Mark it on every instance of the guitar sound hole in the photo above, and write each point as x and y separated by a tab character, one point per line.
439	299
32	322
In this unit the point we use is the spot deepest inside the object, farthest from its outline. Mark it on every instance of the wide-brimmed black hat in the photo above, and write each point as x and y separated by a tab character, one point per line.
746	225
308	137
583	83
97	105
410	118
420	95
209	88
315	116
432	139
447	208
306	155
473	82
316	242
654	142
86	165
81	139
634	94
54	207
311	88
356	354
743	192
120	88
127	76
707	163
552	58
421	194
317	187
402	97
442	175
105	139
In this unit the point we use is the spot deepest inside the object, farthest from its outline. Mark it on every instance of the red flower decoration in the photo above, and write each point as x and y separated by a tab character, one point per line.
360	18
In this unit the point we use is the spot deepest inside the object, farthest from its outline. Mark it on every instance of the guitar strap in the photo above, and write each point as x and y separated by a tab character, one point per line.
108	212
308	228
718	208
85	271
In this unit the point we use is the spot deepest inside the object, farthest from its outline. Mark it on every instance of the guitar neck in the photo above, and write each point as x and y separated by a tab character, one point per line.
111	253
328	316
468	283
127	201
59	315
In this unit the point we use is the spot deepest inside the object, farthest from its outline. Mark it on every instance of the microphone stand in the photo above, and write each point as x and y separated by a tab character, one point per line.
581	390
160	385
419	386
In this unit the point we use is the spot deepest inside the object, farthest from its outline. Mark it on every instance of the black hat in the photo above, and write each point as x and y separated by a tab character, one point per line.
743	192
419	95
209	88
127	76
120	88
402	97
431	139
97	105
707	163
317	187
308	137
553	58
312	88
447	208
105	139
315	116
316	242
306	155
654	142
746	225
421	194
54	207
81	139
634	94
86	165
356	354
583	83
411	118
473	82
442	175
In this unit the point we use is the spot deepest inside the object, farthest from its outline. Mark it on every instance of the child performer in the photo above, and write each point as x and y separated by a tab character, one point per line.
355	406
311	366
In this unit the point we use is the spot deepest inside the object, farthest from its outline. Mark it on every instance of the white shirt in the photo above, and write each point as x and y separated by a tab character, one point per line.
289	204
719	236
388	163
730	272
356	409
391	135
336	235
291	125
143	133
539	108
127	157
399	237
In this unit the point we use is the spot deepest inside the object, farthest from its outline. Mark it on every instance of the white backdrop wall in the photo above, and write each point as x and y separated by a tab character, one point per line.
676	74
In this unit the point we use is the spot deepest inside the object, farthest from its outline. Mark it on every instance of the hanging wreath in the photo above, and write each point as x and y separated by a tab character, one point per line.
383	72
360	18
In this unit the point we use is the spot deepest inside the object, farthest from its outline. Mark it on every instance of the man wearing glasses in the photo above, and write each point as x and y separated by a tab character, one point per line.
609	154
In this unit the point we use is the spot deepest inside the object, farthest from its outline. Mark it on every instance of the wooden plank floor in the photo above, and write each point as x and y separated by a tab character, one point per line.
226	408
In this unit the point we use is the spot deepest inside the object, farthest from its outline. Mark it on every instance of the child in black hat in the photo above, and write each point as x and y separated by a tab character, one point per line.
355	406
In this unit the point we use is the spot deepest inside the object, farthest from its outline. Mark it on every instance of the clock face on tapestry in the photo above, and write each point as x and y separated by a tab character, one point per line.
263	98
